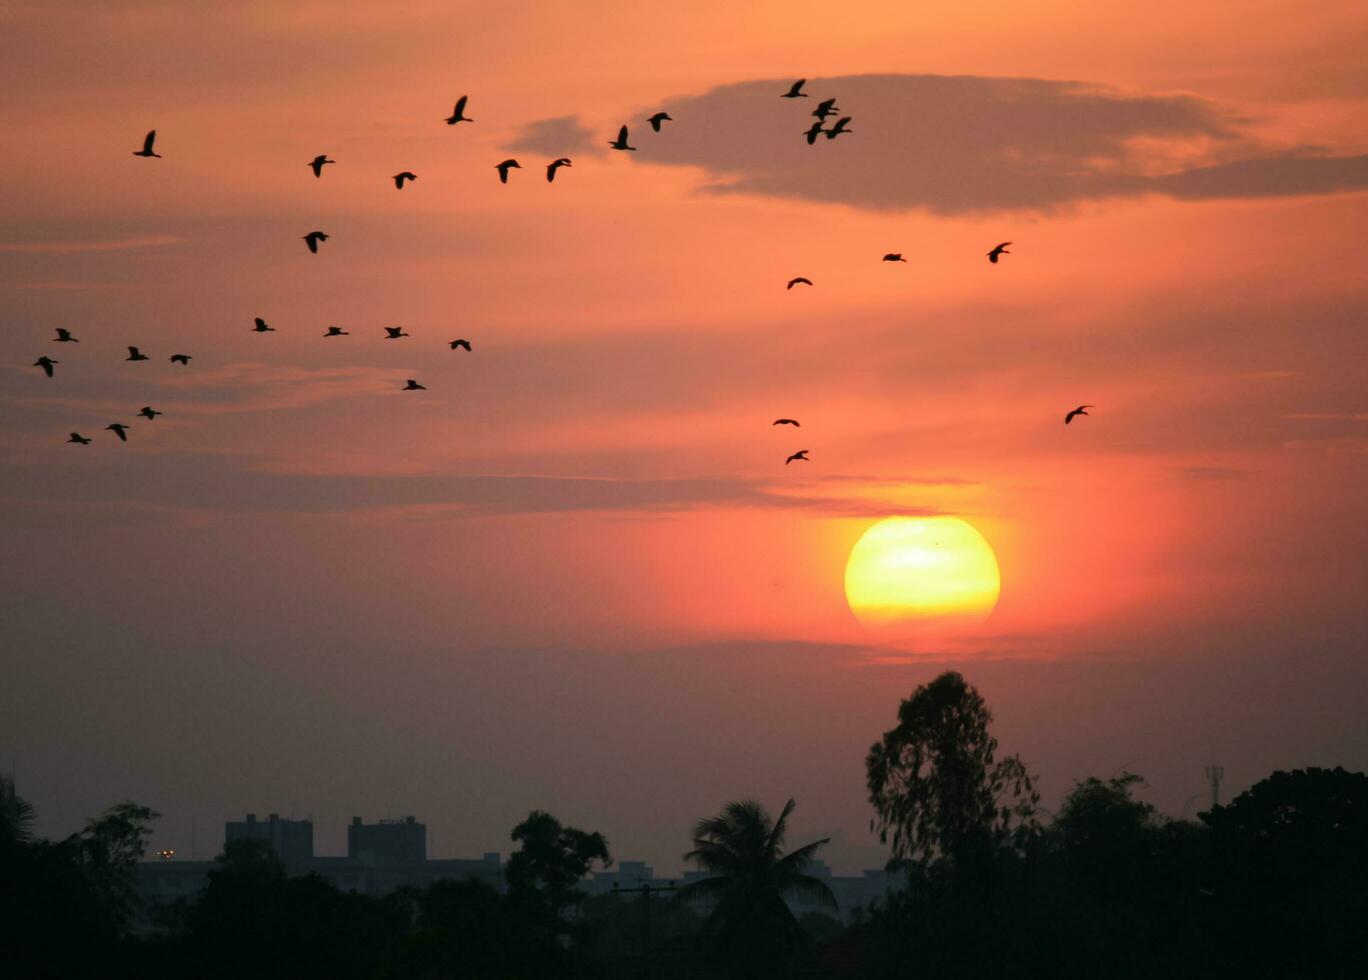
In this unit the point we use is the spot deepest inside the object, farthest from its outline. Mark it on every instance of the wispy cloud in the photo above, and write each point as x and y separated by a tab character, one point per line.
241	483
108	245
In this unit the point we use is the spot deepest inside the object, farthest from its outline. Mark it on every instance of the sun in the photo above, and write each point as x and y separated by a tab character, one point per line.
912	579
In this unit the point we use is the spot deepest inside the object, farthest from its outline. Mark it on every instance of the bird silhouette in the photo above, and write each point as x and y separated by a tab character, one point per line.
796	280
313	238
505	167
659	118
800	455
336	332
135	355
998	250
149	413
261	326
45	363
815	131
182	359
460	343
317	164
64	337
894	257
786	422
458	114
77	437
402	176
796	90
413	386
839	128
119	430
148	140
621	142
1077	411
827	107
555	165
394	333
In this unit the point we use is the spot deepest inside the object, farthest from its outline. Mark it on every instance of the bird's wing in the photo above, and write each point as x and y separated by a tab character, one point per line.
622	135
460	104
1003	245
148	140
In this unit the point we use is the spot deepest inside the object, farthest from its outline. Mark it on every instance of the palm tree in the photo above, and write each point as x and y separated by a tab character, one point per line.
16	815
743	849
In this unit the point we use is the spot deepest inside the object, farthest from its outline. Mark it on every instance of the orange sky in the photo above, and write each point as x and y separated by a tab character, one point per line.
588	516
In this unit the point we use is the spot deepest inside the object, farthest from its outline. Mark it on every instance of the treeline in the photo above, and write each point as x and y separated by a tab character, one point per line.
1275	884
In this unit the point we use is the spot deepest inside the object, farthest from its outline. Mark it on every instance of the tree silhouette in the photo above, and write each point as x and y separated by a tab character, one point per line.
16	816
748	921
1290	866
935	785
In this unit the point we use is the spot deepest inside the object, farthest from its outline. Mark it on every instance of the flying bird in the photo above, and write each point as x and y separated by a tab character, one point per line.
148	140
827	107
1077	411
394	333
183	359
77	437
261	326
839	128
458	114
998	250
814	132
64	337
460	343
894	257
317	164
787	422
504	167
336	332
402	176
555	165
800	455
413	386
149	413
119	430
45	363
621	142
797	279
796	90
135	355
313	238
659	118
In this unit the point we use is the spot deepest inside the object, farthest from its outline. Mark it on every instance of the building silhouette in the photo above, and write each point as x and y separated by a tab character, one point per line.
292	840
391	854
402	841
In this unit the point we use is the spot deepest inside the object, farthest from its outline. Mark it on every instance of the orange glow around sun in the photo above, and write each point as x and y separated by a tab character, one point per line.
917	578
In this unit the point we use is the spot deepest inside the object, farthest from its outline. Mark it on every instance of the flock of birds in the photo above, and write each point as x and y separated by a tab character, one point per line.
824	110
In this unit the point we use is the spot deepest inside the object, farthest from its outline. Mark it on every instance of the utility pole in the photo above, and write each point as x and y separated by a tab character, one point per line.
645	891
1215	774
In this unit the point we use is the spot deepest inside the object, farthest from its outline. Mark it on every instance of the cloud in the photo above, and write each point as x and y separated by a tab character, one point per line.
957	144
71	248
238	483
556	137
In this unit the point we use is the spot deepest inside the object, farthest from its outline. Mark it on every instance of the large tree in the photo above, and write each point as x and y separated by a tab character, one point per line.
938	789
750	874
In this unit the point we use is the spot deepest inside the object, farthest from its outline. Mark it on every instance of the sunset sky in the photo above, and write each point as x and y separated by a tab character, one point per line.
575	573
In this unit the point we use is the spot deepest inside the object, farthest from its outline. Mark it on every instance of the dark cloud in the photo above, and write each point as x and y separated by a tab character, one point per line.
956	144
556	137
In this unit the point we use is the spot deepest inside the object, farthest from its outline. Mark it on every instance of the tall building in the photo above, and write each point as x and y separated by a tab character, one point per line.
292	840
402	841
